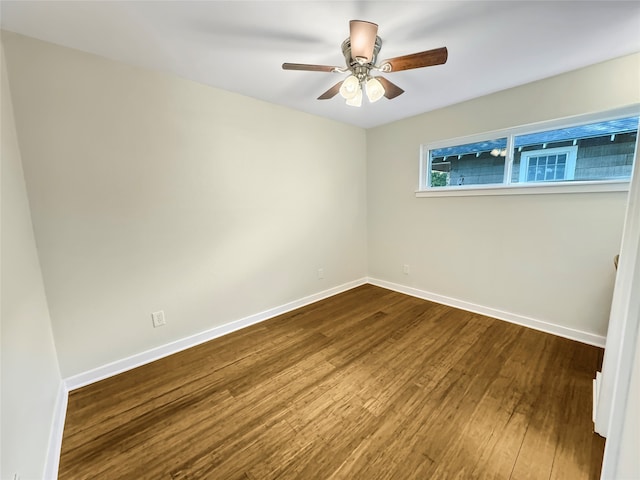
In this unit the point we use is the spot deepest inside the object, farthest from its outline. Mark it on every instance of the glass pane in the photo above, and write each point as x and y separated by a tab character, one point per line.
595	151
550	173
475	163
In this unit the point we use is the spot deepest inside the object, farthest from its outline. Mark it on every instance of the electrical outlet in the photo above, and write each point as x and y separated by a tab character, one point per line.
320	273
158	319
405	269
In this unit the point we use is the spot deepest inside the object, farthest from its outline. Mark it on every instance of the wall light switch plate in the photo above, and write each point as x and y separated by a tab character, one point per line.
158	319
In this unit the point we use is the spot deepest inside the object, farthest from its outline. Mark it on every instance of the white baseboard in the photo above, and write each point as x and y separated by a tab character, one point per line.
559	330
52	461
119	366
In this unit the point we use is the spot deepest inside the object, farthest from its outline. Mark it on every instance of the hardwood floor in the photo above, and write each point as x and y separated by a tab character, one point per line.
369	384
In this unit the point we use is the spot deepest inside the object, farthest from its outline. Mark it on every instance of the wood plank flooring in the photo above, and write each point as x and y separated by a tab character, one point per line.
368	384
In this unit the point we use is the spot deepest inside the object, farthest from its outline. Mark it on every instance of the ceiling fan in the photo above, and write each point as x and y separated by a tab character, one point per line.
360	52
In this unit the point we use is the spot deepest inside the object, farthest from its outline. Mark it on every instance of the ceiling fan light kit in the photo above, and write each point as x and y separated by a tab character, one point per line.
356	100
360	52
375	90
350	87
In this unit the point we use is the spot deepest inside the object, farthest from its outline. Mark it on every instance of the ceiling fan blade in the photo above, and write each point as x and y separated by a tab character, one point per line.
331	92
363	38
312	68
391	90
437	56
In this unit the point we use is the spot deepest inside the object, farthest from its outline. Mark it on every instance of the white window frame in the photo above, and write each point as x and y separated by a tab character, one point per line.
523	188
570	166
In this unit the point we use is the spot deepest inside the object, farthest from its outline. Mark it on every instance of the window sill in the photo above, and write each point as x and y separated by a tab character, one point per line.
529	189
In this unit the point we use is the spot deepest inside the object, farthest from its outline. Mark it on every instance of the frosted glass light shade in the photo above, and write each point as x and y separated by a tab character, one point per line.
350	87
374	89
362	36
356	100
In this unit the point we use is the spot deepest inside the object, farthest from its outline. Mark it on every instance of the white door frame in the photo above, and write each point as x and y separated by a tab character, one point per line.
622	334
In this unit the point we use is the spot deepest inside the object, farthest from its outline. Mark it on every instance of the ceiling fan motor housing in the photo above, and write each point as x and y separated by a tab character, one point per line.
353	63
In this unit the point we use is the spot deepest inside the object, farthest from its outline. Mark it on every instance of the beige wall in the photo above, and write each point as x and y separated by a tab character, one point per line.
29	374
547	257
149	192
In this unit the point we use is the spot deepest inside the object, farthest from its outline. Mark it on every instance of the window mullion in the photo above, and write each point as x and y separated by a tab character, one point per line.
425	168
508	164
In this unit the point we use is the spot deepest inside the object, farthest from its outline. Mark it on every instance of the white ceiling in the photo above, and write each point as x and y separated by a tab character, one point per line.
241	45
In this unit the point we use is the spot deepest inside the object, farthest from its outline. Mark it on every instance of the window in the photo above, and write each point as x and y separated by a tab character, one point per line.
587	151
